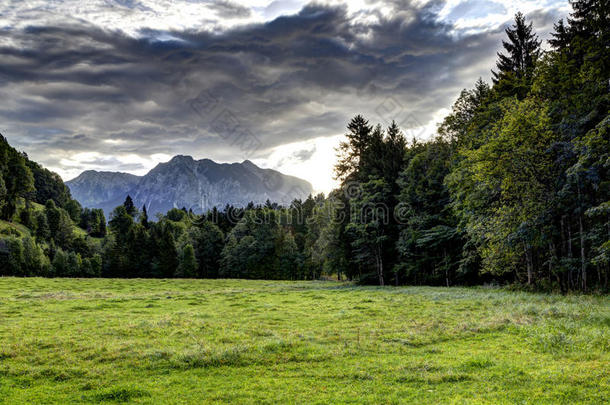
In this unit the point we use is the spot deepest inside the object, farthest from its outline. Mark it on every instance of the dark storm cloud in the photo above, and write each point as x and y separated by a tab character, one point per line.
304	154
294	78
227	9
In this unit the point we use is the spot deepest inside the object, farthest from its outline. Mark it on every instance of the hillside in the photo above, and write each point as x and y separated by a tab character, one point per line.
43	231
21	177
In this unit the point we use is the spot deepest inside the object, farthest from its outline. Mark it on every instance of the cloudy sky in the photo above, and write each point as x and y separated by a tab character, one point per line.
122	85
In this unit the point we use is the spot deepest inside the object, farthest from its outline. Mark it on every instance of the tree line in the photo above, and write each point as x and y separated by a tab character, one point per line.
514	188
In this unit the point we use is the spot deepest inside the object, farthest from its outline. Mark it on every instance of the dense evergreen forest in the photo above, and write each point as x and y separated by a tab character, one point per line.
515	188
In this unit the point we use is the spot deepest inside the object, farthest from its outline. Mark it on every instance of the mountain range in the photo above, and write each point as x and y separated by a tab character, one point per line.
185	182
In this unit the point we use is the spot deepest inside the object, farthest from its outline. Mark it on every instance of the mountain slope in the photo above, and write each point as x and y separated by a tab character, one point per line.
194	184
101	189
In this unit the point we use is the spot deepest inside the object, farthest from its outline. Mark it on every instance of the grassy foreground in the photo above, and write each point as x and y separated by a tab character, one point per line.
205	341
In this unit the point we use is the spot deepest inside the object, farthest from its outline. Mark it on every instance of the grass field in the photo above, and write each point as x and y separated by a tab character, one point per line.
202	341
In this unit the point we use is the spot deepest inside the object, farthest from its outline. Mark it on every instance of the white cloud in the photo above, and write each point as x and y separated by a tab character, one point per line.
317	169
165	15
473	16
72	165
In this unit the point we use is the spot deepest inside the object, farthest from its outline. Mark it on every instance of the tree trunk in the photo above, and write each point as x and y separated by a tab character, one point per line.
570	256
528	263
551	256
379	266
530	271
583	263
563	238
446	266
607	264
563	251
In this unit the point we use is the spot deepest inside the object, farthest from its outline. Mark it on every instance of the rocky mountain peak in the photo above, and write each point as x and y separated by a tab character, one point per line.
183	181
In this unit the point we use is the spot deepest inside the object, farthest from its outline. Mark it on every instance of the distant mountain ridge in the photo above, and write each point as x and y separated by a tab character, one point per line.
199	185
95	187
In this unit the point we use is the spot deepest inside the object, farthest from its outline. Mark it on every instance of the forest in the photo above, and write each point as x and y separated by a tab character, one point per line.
513	189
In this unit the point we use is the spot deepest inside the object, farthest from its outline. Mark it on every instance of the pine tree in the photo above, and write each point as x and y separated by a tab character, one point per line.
26	216
99	223
64	234
287	255
137	250
368	226
457	126
74	209
188	263
561	36
96	265
351	151
52	215
207	240
165	250
60	263
522	48
144	217
17	178
75	263
43	232
120	222
590	18
34	260
15	258
393	155
130	207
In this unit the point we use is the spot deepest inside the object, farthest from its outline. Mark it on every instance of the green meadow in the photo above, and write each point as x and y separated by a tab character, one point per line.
67	341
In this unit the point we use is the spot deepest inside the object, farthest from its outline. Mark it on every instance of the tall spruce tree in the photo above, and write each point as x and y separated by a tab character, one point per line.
522	51
144	217
590	18
350	152
130	207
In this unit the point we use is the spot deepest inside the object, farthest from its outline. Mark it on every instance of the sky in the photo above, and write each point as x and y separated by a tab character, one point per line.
122	85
